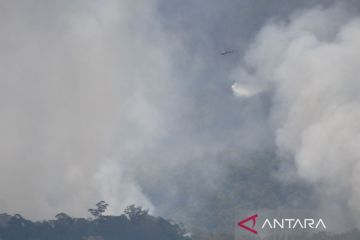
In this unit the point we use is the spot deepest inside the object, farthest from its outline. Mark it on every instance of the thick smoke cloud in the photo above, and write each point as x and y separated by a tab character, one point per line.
131	102
74	79
310	63
104	100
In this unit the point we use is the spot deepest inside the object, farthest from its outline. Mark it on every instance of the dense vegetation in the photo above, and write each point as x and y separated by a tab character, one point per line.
134	224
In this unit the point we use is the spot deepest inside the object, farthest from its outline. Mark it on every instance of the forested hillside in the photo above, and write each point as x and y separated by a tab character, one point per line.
134	224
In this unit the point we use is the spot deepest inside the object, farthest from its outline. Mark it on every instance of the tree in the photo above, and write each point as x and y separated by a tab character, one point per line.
62	217
100	209
133	212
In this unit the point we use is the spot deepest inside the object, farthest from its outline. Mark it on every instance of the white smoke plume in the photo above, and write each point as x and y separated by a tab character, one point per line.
106	100
103	100
311	64
74	78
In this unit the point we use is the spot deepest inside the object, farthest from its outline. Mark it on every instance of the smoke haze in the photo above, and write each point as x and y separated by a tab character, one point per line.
131	102
311	64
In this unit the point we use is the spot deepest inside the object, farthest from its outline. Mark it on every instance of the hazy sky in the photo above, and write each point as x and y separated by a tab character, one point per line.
119	100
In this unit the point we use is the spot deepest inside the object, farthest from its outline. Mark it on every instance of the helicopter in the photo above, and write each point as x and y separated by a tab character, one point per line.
227	52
